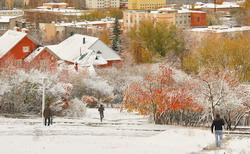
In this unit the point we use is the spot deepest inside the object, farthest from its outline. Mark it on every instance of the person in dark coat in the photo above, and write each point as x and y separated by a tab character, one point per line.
217	126
101	110
47	113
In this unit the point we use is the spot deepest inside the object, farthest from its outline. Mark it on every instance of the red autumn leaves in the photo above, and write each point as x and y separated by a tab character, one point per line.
159	93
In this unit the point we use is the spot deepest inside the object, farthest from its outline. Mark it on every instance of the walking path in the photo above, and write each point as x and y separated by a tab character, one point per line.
119	133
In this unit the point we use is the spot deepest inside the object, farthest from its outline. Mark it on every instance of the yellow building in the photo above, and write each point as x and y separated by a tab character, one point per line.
132	18
145	4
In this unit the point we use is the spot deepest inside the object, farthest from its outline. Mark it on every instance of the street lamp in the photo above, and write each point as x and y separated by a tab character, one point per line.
43	100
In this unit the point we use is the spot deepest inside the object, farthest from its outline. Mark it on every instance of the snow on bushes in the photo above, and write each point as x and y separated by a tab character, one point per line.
159	95
24	91
75	108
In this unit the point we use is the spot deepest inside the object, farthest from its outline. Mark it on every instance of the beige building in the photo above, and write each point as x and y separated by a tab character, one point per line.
145	4
53	31
9	22
102	4
171	16
11	12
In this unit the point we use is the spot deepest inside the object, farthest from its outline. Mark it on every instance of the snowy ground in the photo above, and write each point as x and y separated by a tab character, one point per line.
120	133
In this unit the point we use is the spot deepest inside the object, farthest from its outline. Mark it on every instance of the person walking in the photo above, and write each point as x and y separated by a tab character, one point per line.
217	128
101	110
47	113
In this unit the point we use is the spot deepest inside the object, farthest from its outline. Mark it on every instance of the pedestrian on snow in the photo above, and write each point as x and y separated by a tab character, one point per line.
101	110
47	113
217	123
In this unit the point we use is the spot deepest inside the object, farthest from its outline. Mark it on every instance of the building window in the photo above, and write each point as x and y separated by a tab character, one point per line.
198	18
18	62
3	28
44	63
26	49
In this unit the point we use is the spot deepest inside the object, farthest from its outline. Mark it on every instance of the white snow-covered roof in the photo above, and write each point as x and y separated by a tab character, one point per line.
212	5
34	54
167	9
189	11
55	3
50	9
9	39
103	21
73	47
89	58
7	18
85	50
221	29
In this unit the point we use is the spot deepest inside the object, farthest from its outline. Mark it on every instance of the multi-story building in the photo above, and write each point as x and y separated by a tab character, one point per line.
181	18
60	30
45	14
11	12
102	4
123	4
146	4
9	22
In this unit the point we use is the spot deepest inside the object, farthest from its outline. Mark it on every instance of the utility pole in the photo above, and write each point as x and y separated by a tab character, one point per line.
214	6
43	101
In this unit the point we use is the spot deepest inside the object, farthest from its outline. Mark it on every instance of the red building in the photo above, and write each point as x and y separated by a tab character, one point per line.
42	59
198	19
14	47
19	50
78	50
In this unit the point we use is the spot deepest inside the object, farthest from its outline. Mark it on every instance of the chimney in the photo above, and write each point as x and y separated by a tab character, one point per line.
83	40
17	29
25	30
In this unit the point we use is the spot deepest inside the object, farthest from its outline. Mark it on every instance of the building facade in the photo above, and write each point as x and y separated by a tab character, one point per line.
102	4
146	4
11	12
9	22
183	18
15	46
124	4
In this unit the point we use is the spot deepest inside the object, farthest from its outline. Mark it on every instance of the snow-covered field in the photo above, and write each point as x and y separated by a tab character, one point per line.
119	133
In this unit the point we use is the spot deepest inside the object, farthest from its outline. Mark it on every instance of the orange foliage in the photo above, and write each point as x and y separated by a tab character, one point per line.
89	99
159	93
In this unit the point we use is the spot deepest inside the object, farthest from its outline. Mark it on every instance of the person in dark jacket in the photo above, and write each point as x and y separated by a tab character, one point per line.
217	126
47	113
101	110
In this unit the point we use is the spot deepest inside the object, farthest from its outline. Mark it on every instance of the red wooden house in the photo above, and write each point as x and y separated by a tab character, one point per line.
42	59
15	47
78	49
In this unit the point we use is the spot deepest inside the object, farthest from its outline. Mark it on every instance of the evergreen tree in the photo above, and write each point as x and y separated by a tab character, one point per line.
116	35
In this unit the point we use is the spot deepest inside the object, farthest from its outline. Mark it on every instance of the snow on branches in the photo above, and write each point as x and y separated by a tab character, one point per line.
159	95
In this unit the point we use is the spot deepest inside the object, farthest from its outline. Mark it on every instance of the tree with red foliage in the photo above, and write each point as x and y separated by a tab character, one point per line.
159	95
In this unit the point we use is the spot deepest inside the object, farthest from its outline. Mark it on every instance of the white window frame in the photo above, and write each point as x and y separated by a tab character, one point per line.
26	49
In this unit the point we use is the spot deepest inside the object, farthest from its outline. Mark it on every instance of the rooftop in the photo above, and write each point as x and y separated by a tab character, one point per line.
221	29
7	18
9	39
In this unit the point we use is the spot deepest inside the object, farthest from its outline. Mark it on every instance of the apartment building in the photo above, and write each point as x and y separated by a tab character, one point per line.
146	4
181	18
102	4
124	4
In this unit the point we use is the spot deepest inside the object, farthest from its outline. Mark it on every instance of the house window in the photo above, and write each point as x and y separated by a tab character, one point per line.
26	49
18	62
44	63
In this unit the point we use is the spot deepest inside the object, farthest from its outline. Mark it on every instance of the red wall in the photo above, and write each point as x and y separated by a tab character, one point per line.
198	20
112	63
51	61
16	53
